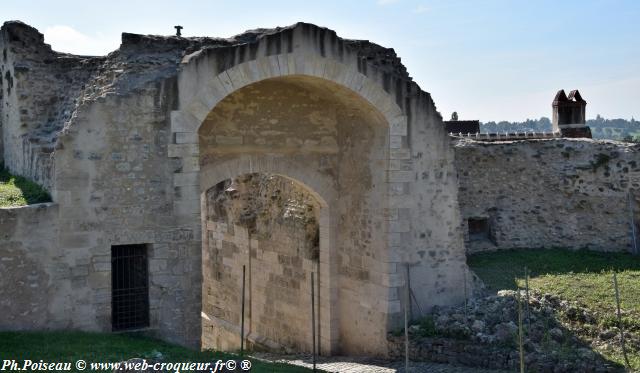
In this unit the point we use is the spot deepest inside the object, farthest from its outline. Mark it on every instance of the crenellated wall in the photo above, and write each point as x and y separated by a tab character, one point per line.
567	193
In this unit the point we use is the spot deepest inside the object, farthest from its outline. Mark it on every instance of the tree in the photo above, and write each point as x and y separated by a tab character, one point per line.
454	115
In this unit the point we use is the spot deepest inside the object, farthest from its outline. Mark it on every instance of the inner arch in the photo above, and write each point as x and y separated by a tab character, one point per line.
270	225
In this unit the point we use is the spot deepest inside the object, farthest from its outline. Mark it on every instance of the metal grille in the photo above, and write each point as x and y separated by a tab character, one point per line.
130	287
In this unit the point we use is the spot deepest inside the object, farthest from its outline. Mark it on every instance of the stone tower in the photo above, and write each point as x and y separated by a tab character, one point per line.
569	115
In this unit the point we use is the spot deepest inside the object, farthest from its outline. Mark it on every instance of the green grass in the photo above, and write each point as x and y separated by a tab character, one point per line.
102	347
581	276
18	191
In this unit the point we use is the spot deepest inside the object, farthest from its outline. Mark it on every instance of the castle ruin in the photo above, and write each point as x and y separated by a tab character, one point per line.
175	164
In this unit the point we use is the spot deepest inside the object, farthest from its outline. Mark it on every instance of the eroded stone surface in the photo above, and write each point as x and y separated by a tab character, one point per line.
550	193
269	224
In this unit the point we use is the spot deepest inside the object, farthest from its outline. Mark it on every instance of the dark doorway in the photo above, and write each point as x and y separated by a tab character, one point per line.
129	287
479	229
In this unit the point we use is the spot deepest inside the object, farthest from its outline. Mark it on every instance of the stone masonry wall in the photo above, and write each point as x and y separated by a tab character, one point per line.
27	249
39	90
419	208
116	141
566	193
113	184
96	137
272	222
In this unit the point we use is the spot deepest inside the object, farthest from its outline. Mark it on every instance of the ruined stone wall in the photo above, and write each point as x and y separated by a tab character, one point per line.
27	249
40	90
269	224
113	184
102	125
127	165
549	193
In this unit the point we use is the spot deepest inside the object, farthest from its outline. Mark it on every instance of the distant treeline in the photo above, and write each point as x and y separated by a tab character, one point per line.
614	129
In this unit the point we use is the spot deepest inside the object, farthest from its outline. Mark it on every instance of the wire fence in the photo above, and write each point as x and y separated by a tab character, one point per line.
523	316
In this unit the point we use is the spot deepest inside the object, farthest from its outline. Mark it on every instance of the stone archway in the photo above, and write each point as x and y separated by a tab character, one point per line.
278	230
324	193
400	209
328	140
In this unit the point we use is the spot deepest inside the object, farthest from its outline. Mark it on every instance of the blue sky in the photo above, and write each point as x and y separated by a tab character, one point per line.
486	59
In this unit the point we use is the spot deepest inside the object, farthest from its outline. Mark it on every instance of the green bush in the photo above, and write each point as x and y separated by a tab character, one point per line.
18	191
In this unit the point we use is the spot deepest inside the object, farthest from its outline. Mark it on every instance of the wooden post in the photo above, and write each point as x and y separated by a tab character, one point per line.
313	323
244	268
620	326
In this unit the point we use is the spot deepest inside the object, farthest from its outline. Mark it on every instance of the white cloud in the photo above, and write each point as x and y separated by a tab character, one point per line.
421	9
69	40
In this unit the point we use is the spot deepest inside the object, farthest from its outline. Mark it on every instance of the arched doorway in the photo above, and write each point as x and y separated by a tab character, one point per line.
270	225
344	118
334	146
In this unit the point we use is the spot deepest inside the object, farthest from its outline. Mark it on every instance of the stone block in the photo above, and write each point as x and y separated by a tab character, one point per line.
182	150
396	142
401	176
398	126
229	140
73	241
186	137
400	153
80	270
186	179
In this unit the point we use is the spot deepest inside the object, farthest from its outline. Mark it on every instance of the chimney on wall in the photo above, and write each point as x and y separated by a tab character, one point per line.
569	115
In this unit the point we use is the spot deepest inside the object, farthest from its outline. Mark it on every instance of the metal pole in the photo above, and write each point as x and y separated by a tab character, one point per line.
409	293
624	350
466	317
526	284
242	313
633	227
520	339
313	323
406	322
415	300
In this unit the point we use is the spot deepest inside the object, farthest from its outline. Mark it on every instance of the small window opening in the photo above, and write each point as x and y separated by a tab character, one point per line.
129	287
479	229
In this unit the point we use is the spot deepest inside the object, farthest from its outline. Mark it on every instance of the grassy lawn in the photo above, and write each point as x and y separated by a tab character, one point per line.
581	276
101	347
18	191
